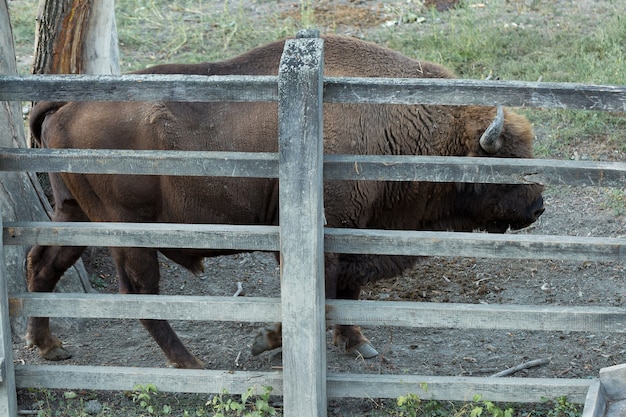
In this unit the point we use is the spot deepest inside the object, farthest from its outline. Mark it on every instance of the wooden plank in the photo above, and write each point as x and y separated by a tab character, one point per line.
520	390
484	170
453	388
141	162
487	93
595	402
482	245
159	235
358	90
476	316
616	409
336	167
138	87
301	227
164	307
265	238
613	381
126	378
366	313
8	396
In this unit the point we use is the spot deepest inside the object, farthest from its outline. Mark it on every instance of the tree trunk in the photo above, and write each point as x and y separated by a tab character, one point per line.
72	37
76	37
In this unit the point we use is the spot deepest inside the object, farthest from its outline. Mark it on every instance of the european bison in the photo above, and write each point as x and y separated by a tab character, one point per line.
252	127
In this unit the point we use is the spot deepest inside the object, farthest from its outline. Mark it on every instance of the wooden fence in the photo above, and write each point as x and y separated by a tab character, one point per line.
300	89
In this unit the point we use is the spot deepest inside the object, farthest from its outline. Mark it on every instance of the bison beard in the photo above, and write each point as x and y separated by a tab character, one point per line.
252	127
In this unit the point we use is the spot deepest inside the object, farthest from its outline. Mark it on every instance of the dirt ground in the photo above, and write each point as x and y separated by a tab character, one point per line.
580	211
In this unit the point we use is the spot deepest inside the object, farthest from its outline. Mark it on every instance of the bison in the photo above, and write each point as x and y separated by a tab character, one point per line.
472	131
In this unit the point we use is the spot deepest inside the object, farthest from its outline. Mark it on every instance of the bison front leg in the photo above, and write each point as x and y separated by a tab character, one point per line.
45	266
138	273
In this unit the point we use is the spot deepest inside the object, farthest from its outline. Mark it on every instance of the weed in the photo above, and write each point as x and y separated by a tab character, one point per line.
563	408
250	405
145	396
616	201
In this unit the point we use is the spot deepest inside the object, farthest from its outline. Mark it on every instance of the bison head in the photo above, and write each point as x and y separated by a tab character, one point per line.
496	207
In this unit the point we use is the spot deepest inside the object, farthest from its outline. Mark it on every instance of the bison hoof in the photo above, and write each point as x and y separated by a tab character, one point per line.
260	344
267	339
367	351
56	354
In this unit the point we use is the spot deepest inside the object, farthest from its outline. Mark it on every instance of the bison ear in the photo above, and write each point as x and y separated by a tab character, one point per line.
490	140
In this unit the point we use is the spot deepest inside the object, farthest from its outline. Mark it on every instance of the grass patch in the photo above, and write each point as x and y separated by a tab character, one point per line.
192	31
146	400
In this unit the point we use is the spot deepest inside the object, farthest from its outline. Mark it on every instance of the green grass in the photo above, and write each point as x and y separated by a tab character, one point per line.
190	31
509	40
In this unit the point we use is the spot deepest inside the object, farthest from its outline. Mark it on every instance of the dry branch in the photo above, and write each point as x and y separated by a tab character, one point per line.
525	365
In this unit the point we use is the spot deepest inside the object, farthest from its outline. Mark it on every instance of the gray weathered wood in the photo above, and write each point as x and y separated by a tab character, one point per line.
613	382
10	129
159	235
301	227
103	161
138	88
452	388
476	316
482	245
488	93
366	313
595	402
133	306
360	90
266	238
336	167
521	390
616	409
8	396
485	170
126	378
100	54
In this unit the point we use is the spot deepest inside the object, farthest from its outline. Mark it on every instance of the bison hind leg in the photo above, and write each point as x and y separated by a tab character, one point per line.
50	347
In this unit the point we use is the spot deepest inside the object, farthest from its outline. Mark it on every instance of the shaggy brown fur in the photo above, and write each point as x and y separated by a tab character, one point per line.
252	127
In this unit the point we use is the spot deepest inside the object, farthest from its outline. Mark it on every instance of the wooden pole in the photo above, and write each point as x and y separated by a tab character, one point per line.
8	394
8	112
301	227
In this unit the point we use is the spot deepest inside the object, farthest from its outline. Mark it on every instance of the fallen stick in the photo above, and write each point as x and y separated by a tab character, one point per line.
239	289
525	365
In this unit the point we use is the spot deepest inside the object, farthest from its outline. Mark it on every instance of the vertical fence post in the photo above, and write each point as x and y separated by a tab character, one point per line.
301	226
8	396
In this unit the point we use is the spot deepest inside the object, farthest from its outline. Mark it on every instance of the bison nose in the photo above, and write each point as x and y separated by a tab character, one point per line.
537	208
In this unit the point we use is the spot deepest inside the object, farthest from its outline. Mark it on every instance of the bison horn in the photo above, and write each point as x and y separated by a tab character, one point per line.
490	140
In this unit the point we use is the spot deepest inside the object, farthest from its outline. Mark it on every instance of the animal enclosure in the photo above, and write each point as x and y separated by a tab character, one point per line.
304	383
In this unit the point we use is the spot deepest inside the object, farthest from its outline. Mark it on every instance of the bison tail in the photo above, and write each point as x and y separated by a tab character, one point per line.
37	116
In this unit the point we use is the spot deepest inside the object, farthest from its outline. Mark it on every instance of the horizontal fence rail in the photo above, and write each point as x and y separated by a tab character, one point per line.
336	89
456	388
366	313
354	241
173	87
487	93
336	167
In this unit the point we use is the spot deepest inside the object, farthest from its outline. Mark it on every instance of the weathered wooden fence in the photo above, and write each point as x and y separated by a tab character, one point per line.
300	166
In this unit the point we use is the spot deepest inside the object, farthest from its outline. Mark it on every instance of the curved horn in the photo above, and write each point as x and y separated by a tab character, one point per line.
490	140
